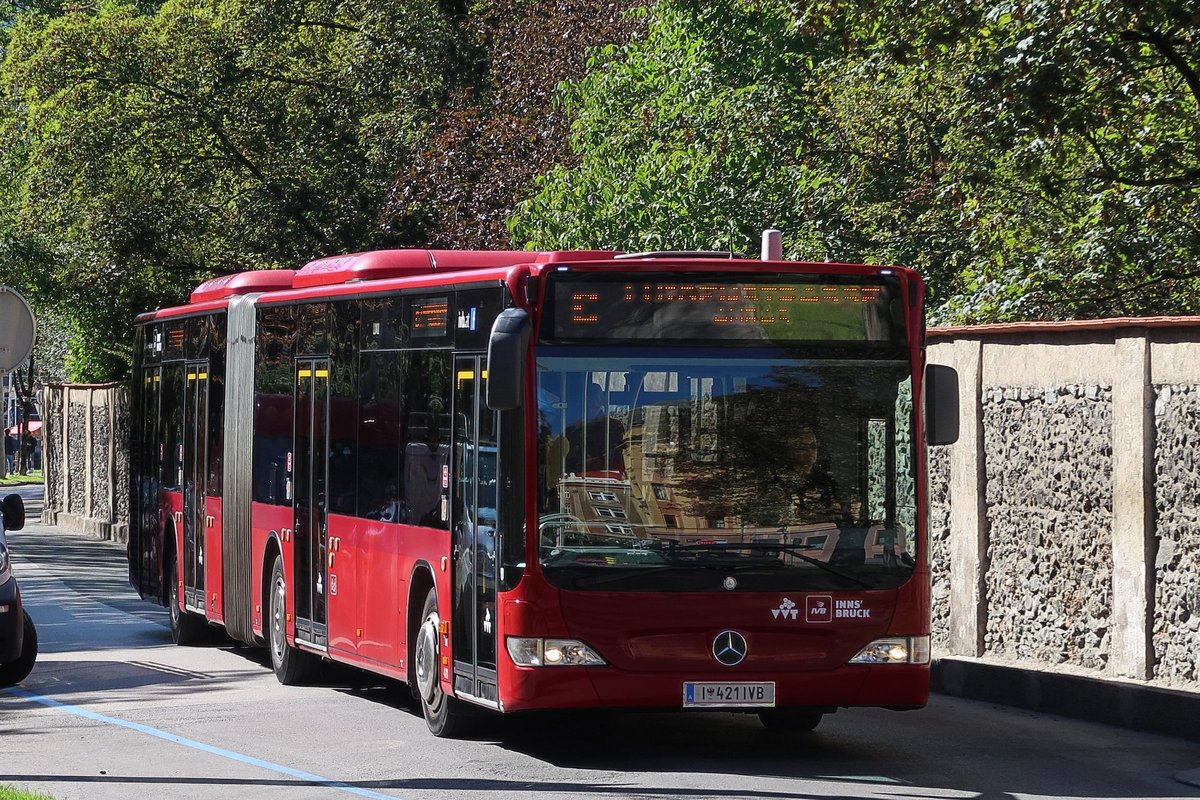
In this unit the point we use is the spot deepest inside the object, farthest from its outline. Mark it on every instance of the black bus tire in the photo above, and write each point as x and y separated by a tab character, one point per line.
790	720
14	672
292	666
445	716
186	628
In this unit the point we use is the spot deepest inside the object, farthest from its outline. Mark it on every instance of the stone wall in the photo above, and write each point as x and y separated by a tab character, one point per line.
939	543
1065	522
1177	505
1048	462
86	434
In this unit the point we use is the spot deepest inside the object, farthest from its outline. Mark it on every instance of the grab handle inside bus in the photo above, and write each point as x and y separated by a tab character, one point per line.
507	349
941	404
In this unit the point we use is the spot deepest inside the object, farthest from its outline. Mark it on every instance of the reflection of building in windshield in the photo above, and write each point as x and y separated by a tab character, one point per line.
731	451
609	503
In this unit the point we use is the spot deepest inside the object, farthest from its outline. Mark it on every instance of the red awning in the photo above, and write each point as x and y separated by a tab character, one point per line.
35	429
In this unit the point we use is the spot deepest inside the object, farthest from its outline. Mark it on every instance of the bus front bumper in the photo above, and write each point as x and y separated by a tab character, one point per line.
892	686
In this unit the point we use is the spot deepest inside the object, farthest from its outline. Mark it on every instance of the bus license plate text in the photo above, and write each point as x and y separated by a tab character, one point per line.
728	693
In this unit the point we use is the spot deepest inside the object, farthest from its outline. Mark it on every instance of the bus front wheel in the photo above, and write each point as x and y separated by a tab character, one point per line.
445	716
790	720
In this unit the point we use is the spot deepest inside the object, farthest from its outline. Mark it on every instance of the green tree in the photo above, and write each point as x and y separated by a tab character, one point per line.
148	147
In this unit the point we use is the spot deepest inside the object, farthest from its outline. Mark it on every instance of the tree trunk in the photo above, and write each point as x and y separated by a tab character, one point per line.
23	383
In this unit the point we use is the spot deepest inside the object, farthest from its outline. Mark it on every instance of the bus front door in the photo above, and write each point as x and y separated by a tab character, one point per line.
476	492
310	478
195	483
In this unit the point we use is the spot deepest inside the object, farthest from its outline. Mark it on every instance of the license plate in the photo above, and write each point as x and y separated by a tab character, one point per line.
734	694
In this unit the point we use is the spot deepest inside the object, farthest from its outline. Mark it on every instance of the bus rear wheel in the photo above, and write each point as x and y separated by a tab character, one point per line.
186	628
291	665
445	716
790	720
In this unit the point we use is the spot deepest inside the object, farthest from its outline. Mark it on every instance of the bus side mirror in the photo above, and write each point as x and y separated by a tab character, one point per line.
941	404
508	346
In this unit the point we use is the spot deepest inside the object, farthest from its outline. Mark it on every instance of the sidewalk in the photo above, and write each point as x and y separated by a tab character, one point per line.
94	568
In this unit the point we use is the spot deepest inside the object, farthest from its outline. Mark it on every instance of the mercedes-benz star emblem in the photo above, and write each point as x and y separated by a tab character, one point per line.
729	648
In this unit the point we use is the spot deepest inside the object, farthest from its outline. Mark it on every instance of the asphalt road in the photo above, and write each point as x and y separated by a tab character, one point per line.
114	710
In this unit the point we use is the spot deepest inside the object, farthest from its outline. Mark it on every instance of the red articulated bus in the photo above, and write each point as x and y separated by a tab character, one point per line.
521	480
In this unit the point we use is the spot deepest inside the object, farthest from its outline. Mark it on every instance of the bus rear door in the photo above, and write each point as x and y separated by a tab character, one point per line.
195	479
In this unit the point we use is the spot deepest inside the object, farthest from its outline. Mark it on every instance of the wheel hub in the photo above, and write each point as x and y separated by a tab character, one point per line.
278	639
427	657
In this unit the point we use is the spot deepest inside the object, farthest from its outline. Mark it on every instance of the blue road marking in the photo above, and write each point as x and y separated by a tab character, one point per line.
206	748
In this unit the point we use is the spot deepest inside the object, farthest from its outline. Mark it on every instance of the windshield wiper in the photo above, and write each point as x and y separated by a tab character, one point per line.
771	548
632	571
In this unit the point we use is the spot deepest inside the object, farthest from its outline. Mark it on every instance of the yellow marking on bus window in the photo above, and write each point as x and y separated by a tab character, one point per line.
191	376
305	373
462	376
322	373
203	376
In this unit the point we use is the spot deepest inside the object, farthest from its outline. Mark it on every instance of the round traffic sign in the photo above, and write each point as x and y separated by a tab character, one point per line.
17	329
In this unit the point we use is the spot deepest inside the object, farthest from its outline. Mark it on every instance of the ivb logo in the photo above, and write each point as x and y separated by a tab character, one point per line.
819	608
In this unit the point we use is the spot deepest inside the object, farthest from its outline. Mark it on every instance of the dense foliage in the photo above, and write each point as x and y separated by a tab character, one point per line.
1034	158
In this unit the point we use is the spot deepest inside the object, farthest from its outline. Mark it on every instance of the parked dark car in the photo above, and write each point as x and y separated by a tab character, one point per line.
18	637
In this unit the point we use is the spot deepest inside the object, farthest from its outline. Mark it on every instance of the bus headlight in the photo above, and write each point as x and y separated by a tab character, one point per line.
528	652
895	650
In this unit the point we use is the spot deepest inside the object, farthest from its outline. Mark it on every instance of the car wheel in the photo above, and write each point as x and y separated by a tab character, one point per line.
14	672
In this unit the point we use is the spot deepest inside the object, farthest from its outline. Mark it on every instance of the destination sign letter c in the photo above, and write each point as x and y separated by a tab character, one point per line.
579	311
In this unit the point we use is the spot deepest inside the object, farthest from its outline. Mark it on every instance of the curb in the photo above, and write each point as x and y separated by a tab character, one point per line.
1119	703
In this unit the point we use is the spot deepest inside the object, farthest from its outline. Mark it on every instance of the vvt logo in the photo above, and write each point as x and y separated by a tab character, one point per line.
787	610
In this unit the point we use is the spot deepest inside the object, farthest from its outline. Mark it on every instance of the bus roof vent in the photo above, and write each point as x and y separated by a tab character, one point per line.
263	280
725	254
382	264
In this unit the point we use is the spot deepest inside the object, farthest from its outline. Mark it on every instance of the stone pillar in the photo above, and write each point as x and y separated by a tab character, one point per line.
968	517
1133	508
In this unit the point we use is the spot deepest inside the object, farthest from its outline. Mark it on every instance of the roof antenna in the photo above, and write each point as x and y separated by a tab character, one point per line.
772	245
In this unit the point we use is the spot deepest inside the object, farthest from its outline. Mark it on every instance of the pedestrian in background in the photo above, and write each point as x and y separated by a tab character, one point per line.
10	452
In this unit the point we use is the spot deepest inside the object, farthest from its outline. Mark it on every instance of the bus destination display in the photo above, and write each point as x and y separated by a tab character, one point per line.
775	309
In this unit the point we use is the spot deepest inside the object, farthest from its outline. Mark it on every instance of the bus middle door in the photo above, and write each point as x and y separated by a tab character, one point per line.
310	477
474	531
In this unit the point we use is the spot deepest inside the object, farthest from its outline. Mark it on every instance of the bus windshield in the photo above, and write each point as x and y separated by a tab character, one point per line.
666	469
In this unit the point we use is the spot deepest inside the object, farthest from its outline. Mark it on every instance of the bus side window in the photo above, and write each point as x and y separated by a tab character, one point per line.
425	432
